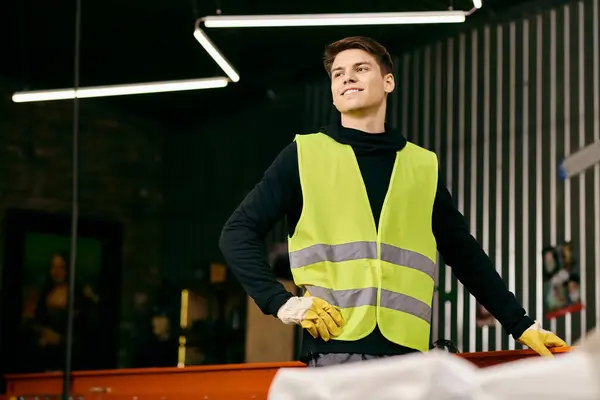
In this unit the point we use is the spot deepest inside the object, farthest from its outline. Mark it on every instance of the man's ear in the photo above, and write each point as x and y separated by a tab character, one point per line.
389	84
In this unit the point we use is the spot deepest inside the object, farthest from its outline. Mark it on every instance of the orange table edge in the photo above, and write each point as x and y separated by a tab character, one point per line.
215	382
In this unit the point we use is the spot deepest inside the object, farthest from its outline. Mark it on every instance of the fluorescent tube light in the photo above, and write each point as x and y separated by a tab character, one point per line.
477	4
297	20
580	161
120	90
216	55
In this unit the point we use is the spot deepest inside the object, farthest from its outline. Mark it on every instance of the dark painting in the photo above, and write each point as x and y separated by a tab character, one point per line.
37	257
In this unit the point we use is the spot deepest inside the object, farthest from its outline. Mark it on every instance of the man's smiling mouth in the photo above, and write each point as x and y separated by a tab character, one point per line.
351	90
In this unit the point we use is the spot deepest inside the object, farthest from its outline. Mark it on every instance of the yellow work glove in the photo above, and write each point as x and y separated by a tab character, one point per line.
539	339
317	316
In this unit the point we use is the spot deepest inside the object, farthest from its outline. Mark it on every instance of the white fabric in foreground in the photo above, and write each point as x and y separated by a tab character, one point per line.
442	376
435	375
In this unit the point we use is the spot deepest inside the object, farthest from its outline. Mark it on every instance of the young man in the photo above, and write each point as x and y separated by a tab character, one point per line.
366	211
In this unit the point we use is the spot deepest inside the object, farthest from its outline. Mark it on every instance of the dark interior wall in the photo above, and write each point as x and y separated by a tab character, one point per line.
212	168
121	179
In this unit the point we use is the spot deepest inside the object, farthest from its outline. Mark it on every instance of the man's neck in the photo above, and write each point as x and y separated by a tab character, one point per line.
368	121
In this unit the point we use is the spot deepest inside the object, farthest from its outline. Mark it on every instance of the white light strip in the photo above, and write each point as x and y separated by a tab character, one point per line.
477	4
120	90
583	216
460	290
567	143
553	122
352	19
595	85
438	151
485	241
539	200
216	55
527	193
512	137
448	319
499	165
449	141
473	190
435	335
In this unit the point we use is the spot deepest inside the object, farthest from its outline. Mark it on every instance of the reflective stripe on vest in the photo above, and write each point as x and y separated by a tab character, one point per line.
361	250
368	297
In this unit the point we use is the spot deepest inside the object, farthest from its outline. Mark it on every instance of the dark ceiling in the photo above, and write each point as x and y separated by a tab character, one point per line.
125	41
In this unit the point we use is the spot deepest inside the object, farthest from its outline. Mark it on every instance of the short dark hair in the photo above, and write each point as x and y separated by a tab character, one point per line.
371	46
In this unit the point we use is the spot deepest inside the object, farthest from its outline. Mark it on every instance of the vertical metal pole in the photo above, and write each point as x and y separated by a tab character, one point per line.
74	216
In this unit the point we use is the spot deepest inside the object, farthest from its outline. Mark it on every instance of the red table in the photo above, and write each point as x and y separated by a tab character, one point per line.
219	382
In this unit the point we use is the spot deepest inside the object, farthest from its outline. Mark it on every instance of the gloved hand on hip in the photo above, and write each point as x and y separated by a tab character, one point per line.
539	339
317	316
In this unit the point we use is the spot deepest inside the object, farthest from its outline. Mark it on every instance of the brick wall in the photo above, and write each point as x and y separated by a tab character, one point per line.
121	179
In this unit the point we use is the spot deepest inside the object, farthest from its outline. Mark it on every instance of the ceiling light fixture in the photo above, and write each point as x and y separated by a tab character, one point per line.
352	19
245	21
120	90
300	20
214	52
142	88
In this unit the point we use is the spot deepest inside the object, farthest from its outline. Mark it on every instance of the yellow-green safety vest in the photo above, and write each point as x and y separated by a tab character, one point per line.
378	275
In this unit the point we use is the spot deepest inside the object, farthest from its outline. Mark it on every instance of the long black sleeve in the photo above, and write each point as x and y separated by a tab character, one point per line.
473	267
242	239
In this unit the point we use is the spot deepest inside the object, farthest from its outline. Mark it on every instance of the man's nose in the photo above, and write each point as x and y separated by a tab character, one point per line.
350	78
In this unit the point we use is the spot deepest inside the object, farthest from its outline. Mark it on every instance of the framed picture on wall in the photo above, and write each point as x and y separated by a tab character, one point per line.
561	281
35	277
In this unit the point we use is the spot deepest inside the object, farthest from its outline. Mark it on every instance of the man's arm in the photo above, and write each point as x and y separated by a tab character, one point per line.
472	266
242	239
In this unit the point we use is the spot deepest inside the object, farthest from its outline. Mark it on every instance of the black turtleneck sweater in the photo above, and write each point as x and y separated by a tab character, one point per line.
279	195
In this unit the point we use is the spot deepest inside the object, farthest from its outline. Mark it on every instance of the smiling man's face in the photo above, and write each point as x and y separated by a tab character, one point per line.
357	83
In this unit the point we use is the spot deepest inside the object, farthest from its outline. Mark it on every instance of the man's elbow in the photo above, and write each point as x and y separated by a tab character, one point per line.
233	237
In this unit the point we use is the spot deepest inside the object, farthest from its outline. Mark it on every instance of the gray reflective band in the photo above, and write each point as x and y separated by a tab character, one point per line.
345	298
407	304
368	297
334	253
361	250
407	258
